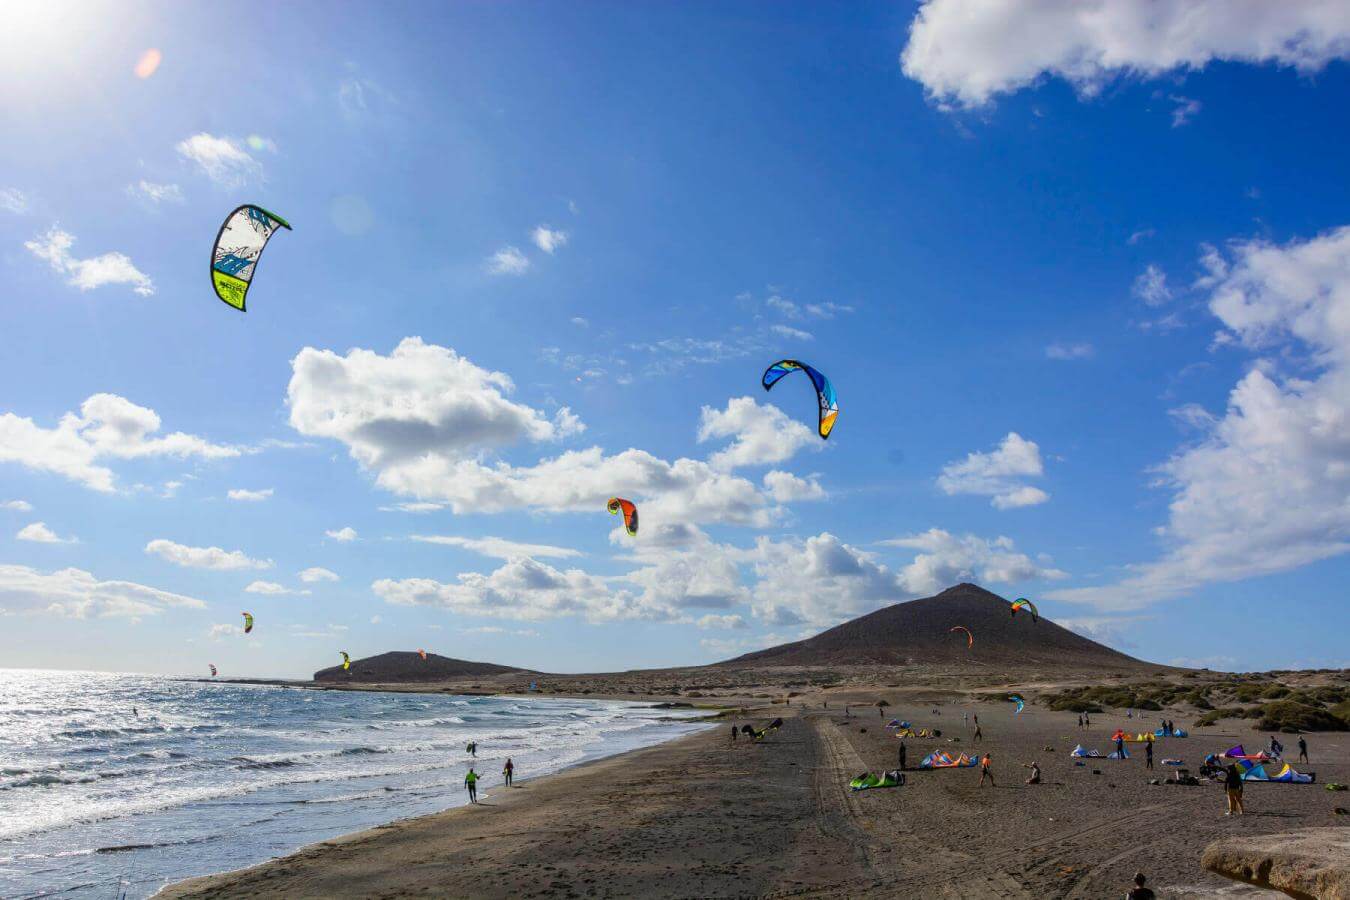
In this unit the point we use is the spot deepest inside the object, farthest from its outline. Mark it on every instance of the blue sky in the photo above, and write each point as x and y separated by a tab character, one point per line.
1080	277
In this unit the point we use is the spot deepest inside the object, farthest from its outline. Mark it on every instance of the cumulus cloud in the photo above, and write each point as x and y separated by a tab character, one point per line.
794	334
345	535
244	495
93	272
39	533
204	557
225	160
713	620
1082	350
499	548
784	487
945	559
548	239
965	52
75	593
998	473
17	505
107	426
762	434
1267	486
507	261
315	574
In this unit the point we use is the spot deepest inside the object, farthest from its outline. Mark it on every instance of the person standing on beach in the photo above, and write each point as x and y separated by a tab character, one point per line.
1080	720
1120	747
1087	720
902	754
1232	784
985	772
471	782
1302	749
979	735
1148	754
508	771
733	732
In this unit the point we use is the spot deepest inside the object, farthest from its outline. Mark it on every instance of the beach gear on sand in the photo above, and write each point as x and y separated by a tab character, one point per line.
1080	750
1272	771
941	759
892	778
1335	786
1173	762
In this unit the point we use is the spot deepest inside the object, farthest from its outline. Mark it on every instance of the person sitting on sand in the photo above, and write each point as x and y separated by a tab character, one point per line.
471	782
1232	784
508	771
1139	892
985	772
1035	768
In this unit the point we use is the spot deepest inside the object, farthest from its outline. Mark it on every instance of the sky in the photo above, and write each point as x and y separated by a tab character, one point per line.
1079	273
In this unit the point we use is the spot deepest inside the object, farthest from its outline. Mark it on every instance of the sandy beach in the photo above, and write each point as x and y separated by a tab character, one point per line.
703	816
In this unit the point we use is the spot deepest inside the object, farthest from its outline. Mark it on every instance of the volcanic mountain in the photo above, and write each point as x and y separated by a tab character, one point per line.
919	633
403	666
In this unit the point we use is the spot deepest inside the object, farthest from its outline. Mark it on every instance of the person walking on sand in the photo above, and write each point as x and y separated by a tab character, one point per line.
1148	754
1080	720
1087	720
979	735
902	754
1276	748
965	719
1302	749
508	771
985	772
471	782
1139	892
1232	784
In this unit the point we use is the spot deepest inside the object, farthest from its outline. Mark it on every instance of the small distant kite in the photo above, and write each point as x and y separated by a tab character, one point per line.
1017	698
248	622
239	244
630	516
213	669
970	638
346	660
829	404
422	653
1024	603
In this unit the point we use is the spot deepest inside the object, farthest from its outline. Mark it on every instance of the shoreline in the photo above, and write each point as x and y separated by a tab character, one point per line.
701	815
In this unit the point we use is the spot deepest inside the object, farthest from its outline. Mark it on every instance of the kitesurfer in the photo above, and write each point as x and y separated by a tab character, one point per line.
509	770
985	772
471	782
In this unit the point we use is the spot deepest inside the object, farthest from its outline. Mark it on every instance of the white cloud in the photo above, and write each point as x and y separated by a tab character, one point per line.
1110	630
1267	487
94	272
375	620
77	594
316	574
998	473
270	588
244	495
821	580
415	508
39	533
1082	350
1186	109
107	426
794	334
345	535
499	548
946	559
763	434
507	261
723	622
17	505
548	239
1142	234
13	201
1151	286
784	487
965	52
581	322
225	160
218	631
204	557
154	193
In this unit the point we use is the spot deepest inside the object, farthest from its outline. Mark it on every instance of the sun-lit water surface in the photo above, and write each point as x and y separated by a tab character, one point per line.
117	784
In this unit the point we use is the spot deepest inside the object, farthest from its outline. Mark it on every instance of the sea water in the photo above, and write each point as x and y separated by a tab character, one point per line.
114	785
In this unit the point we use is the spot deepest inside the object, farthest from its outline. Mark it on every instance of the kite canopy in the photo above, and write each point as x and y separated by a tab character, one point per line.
1239	753
630	515
346	660
829	404
213	669
1024	603
892	778
970	638
1080	751
941	759
239	244
422	653
1271	770
248	622
1016	698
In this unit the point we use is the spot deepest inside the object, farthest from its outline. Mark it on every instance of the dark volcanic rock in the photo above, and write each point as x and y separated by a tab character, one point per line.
918	633
400	666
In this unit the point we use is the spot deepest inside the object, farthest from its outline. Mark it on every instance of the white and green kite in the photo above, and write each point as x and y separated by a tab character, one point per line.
238	245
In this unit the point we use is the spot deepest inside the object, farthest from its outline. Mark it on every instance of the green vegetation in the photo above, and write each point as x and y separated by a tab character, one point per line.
1290	717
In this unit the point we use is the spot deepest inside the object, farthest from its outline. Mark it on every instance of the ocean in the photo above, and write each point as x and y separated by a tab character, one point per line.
114	785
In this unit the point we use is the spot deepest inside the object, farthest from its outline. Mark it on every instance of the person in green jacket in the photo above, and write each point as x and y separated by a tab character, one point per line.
471	782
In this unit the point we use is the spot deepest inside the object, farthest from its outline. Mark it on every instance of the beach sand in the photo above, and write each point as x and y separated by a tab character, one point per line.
704	817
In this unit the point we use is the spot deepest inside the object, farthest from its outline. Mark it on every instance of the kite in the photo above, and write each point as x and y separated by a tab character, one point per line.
213	669
239	244
1017	698
891	778
630	516
829	404
1272	770
970	638
248	622
1024	603
346	660
941	759
422	653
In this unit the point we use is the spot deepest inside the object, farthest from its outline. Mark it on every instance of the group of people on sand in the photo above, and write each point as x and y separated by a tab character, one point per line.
471	777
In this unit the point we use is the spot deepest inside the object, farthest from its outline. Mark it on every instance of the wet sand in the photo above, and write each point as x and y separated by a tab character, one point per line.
704	817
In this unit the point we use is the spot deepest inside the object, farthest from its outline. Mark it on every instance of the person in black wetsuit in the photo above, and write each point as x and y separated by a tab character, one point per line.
902	755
